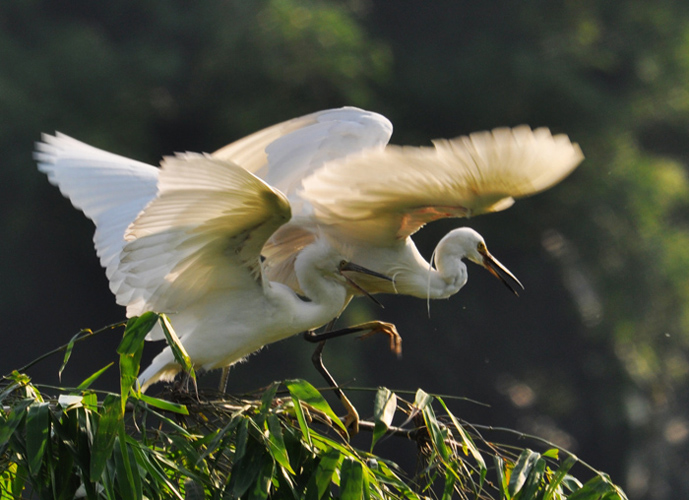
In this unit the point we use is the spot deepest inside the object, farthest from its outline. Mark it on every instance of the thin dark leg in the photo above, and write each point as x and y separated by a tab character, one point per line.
224	376
371	328
352	415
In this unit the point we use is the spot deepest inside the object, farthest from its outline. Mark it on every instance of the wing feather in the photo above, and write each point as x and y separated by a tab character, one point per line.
110	189
202	234
381	196
285	153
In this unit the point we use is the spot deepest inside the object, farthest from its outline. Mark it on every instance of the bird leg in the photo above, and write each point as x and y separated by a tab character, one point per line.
352	418
370	328
224	376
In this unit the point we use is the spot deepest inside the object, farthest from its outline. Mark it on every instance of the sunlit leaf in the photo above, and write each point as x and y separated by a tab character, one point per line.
135	332
467	442
598	487
130	350
176	346
305	392
449	487
37	432
384	407
527	459
277	443
533	481
90	380
559	476
164	405
502	477
422	399
438	434
154	469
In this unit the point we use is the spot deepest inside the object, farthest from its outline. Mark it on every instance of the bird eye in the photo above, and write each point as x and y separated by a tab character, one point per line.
481	246
343	263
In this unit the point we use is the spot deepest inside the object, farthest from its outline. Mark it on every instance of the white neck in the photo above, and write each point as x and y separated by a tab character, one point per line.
418	278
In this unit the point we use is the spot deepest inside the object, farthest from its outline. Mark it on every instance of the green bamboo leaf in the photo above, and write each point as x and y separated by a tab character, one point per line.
130	350
267	399
90	380
422	399
19	480
467	442
247	469
303	391
111	419
552	453
559	476
521	471
263	481
571	483
37	435
156	472
449	488
128	477
599	487
136	331
351	480
533	481
502	477
323	475
68	353
163	404
438	435
384	408
16	415
277	442
176	346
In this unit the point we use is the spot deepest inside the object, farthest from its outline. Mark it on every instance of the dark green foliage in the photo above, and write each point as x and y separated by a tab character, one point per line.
287	444
601	335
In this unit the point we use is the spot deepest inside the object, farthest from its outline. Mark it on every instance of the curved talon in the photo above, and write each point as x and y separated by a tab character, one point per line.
351	421
388	329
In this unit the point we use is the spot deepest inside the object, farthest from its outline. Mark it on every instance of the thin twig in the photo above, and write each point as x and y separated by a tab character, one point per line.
87	334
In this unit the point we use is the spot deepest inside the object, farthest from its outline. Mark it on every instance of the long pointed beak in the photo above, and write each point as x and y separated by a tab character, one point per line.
350	266
495	268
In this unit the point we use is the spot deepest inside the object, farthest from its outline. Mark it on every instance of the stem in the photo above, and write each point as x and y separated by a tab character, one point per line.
86	334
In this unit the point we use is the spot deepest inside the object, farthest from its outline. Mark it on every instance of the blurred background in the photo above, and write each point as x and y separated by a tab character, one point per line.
593	356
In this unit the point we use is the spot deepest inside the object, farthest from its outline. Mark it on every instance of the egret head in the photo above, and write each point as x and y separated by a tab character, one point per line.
465	242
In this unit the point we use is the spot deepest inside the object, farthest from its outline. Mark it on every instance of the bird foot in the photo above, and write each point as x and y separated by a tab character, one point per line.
388	329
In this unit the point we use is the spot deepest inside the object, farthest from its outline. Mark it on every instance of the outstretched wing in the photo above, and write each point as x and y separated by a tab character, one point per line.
381	196
111	190
201	235
284	154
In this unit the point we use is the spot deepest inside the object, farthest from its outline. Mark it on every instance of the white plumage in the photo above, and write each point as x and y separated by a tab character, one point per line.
367	198
186	239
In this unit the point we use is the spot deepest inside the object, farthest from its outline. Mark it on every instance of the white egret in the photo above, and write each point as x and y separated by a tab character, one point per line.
367	198
186	240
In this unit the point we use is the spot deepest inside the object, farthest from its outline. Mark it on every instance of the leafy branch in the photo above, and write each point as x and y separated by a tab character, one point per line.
287	443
